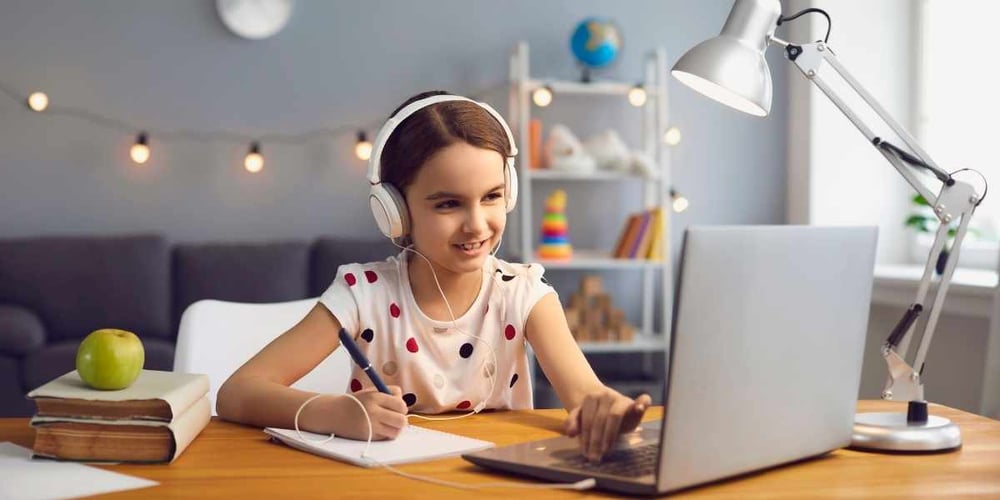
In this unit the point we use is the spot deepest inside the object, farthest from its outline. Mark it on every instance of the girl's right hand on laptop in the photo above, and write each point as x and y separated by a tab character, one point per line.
387	413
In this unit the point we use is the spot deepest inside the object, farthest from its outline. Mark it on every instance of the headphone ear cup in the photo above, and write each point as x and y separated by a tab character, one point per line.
389	209
510	188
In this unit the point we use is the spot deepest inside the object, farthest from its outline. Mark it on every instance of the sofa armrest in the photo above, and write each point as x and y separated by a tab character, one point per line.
21	330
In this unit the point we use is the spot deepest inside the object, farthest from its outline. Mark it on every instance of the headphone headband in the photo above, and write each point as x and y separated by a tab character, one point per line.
375	161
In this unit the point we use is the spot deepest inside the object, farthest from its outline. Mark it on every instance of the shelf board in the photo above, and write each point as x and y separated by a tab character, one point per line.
592	88
595	259
639	343
597	175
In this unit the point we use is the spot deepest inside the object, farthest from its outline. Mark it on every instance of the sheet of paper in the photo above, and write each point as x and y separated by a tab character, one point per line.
26	479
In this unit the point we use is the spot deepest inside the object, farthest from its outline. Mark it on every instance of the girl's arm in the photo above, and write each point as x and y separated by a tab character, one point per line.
258	393
597	413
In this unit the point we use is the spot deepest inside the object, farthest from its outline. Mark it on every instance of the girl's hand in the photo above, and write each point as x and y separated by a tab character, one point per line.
387	413
602	417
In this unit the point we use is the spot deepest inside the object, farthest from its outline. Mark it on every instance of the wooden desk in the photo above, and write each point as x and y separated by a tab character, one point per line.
233	461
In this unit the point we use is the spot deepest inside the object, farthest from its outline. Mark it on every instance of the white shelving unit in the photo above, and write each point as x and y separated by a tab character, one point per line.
656	189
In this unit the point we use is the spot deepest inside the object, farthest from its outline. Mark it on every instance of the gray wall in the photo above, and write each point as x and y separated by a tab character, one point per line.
337	65
173	65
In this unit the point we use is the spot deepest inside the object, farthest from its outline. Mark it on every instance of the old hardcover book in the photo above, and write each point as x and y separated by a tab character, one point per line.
141	441
156	395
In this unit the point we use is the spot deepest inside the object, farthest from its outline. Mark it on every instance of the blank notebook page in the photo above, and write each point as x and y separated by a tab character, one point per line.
414	444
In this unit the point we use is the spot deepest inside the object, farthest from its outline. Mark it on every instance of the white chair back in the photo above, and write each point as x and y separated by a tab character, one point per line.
216	337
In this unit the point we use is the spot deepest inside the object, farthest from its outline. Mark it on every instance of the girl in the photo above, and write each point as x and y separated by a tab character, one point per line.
444	323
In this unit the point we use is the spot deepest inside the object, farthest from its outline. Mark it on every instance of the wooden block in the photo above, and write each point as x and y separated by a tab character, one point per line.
590	285
593	317
577	301
573	318
626	333
616	318
602	301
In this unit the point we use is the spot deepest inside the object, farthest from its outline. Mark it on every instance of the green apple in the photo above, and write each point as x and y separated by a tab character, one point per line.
110	359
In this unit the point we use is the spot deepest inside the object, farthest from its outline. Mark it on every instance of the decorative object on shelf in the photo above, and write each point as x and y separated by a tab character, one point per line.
678	202
563	151
731	69
609	151
555	230
254	19
595	43
592	318
535	156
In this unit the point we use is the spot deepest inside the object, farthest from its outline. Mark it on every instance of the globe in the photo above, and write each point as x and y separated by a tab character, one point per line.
596	42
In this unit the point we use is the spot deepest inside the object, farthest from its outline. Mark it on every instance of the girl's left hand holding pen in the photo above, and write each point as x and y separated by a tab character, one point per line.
602	417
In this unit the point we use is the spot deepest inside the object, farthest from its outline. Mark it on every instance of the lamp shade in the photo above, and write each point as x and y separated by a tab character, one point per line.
731	68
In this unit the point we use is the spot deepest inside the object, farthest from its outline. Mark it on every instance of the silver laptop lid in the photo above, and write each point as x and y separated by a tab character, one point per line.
767	348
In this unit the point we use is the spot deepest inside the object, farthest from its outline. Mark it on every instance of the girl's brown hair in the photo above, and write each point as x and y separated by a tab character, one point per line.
434	128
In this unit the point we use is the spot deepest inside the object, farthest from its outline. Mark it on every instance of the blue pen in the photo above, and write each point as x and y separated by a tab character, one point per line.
362	361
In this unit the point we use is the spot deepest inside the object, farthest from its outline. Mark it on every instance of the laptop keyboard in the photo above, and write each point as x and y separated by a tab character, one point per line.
628	462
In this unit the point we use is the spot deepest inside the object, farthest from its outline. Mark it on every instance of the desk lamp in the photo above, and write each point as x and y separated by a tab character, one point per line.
731	69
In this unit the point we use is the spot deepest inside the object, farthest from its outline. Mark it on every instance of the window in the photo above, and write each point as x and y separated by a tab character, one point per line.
957	100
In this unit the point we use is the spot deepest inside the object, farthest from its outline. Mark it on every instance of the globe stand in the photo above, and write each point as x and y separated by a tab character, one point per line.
585	74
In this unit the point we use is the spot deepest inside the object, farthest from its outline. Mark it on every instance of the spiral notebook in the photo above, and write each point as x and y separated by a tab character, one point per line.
414	444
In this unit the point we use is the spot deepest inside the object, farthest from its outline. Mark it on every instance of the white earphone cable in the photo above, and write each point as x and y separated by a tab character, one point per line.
584	484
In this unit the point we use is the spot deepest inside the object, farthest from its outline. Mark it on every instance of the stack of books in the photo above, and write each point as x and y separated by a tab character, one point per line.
642	236
151	421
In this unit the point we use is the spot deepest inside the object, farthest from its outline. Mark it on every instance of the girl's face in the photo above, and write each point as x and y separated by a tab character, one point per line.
457	208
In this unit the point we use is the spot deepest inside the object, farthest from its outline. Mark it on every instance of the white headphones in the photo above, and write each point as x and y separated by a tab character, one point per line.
387	203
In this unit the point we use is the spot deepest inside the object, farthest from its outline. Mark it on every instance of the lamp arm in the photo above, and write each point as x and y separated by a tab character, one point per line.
956	201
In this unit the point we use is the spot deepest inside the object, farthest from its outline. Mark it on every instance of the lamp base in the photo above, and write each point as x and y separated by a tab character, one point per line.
891	432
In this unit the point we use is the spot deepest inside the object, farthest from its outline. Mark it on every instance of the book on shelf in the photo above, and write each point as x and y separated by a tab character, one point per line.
628	234
641	236
152	420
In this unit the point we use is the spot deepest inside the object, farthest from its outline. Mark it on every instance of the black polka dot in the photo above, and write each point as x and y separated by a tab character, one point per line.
409	398
368	334
513	380
506	277
466	350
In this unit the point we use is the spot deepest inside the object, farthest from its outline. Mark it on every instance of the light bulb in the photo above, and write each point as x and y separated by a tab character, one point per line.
140	150
542	96
672	136
678	201
254	162
363	148
38	101
637	96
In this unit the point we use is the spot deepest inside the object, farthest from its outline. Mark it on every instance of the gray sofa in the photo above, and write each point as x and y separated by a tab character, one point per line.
56	290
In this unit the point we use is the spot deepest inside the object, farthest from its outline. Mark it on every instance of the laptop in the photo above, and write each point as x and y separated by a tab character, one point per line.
763	368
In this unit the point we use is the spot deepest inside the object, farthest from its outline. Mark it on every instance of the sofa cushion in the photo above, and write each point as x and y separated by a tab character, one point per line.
12	400
247	272
56	359
79	284
330	253
21	330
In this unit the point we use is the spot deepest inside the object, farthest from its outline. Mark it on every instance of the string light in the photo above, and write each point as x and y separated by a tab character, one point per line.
678	201
542	96
672	136
253	162
38	101
140	150
363	148
637	95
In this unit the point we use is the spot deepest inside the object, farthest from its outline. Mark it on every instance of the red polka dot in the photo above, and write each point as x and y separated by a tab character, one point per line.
411	345
464	405
394	310
355	385
371	276
350	279
509	332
